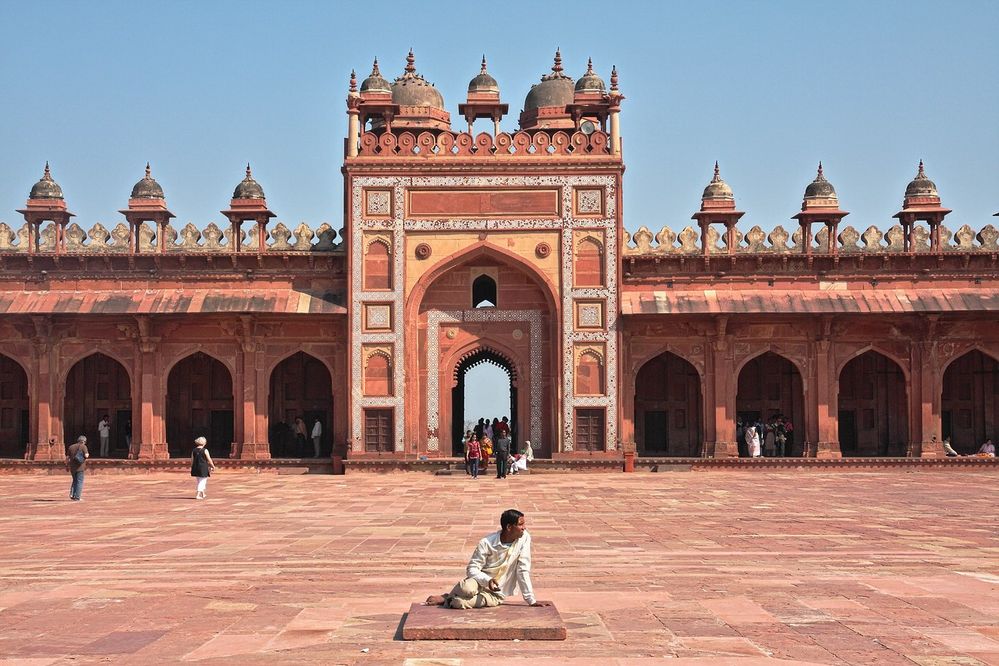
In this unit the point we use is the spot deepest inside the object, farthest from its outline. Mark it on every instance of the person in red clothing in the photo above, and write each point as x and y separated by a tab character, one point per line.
474	455
502	428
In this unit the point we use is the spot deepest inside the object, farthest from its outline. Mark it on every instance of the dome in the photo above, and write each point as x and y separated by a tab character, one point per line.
590	82
375	82
411	89
483	83
46	188
555	89
147	188
921	186
820	188
717	189
248	188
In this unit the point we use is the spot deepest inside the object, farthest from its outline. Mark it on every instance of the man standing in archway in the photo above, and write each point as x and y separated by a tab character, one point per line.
104	430
502	434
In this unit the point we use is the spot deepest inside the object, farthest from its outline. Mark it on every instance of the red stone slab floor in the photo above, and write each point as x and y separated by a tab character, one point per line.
890	567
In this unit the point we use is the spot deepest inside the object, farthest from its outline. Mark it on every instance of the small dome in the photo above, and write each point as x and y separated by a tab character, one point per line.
46	188
820	188
147	188
590	82
717	189
921	186
248	188
555	89
483	83
375	82
411	89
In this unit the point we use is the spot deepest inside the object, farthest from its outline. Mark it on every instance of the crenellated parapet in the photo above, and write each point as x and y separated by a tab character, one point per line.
520	144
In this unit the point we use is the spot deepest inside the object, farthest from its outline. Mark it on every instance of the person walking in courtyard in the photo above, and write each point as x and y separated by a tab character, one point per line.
317	437
104	430
753	442
202	466
473	452
499	566
76	461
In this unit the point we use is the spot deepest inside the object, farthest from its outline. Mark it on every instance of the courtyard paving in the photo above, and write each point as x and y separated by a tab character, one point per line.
894	567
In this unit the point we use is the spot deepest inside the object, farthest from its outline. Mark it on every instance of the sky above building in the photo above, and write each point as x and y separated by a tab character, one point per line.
766	88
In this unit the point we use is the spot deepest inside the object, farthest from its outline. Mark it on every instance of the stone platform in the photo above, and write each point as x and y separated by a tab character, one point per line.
885	567
509	622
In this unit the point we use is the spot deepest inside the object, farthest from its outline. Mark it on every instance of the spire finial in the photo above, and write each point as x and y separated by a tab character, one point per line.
557	67
589	66
353	81
248	174
411	62
820	175
483	64
717	176
921	173
149	173
614	78
374	68
47	175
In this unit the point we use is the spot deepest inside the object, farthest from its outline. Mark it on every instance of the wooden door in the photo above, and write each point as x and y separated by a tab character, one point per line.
590	430
378	430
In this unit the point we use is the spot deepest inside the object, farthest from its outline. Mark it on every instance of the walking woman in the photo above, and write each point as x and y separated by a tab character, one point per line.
474	453
201	466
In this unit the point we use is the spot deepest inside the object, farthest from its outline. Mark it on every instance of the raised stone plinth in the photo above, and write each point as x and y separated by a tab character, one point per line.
502	623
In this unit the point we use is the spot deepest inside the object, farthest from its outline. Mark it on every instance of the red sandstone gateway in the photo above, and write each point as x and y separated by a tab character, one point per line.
460	248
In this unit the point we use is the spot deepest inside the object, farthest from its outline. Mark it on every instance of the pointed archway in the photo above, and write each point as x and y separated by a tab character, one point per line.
300	387
873	413
13	408
199	404
969	406
668	414
98	386
461	405
770	386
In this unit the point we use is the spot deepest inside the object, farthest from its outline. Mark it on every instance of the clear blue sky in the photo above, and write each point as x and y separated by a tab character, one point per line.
767	88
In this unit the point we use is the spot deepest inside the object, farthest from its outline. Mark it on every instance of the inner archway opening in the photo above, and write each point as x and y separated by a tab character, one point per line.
13	408
668	408
970	402
199	404
771	398
97	387
485	389
873	418
301	394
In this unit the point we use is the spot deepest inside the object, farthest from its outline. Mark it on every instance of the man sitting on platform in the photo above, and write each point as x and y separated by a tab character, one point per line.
500	564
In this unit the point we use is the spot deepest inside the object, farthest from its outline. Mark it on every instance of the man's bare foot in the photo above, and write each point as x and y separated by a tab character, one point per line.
435	600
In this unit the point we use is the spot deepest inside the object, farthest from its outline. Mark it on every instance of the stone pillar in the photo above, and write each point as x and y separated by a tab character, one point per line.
924	401
615	132
236	447
48	444
150	427
722	397
826	402
252	427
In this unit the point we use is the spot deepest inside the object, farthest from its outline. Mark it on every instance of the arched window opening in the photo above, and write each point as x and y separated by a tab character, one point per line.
484	292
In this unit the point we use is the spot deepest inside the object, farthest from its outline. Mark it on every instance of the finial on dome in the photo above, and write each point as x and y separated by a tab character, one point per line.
483	70
921	173
149	173
248	173
410	62
589	66
353	81
48	174
374	68
614	78
820	175
557	67
717	175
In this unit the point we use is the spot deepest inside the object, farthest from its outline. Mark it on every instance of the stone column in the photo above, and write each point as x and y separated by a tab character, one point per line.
48	444
924	401
150	428
826	402
722	397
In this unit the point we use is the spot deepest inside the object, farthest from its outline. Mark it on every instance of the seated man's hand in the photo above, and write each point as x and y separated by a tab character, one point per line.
542	603
493	585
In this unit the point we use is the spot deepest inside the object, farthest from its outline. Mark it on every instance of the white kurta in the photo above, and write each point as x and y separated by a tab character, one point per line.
753	442
509	564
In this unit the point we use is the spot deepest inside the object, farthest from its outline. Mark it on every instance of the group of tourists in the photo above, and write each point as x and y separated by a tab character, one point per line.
493	439
771	439
986	450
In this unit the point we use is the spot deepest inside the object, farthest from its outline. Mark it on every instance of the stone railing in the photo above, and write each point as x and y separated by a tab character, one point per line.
463	144
849	241
211	239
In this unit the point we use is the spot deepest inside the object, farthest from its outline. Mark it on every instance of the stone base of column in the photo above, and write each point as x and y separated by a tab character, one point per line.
47	451
828	450
252	451
723	449
930	449
154	451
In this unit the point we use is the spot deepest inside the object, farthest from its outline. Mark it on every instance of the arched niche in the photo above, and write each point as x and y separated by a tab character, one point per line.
98	386
378	265
770	386
588	264
969	404
14	406
199	404
668	412
873	413
300	386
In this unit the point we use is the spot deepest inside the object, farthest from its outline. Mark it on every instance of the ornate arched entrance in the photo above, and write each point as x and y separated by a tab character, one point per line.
969	405
873	414
98	386
199	404
13	408
300	387
459	392
770	386
668	408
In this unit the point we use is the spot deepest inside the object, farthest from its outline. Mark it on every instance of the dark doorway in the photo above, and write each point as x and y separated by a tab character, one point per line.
484	292
121	440
13	408
497	399
970	401
300	386
872	390
848	432
668	407
199	404
770	385
96	386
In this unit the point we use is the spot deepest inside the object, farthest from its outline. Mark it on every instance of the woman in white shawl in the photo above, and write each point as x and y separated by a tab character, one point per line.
753	442
526	456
